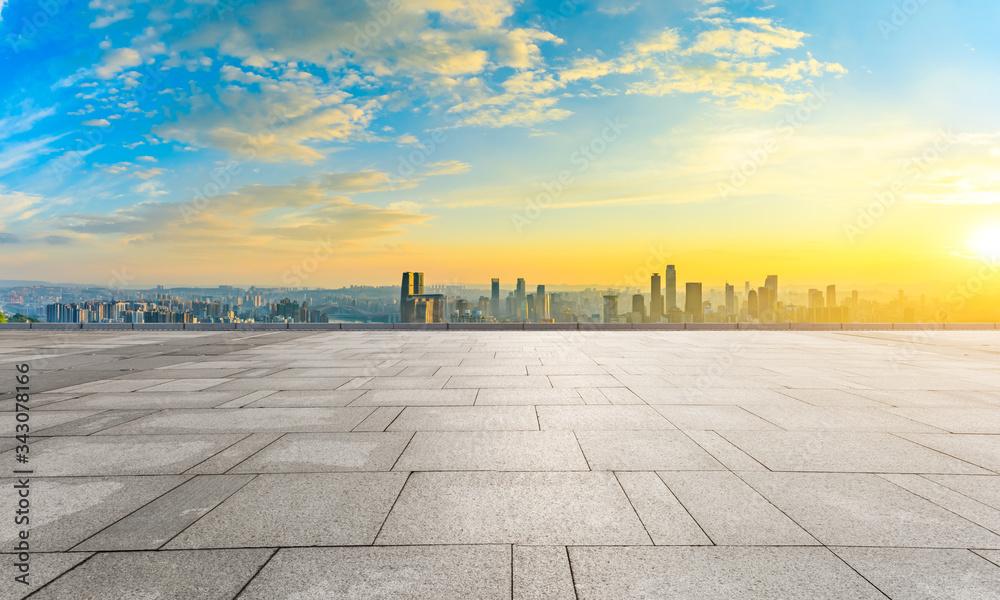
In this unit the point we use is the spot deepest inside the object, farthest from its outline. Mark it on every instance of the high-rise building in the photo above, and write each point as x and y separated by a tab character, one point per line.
730	299
693	303
610	308
655	299
831	296
670	292
417	307
520	311
541	304
495	299
638	308
753	307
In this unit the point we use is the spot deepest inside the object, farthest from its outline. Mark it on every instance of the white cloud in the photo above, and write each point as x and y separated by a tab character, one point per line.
117	60
96	123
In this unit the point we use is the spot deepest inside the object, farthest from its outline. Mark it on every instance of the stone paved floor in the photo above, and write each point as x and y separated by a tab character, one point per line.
507	464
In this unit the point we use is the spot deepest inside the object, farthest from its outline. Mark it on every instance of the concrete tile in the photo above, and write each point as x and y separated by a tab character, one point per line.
149	400
644	451
327	453
960	504
601	418
93	424
542	573
278	384
109	386
467	370
233	455
924	574
75	508
725	452
405	383
503	382
44	419
620	395
866	510
185	385
244	420
156	523
731	513
527	396
714	573
306	399
844	452
981	450
804	417
695	395
387	573
493	451
315	509
204	574
714	418
666	521
593	396
121	455
566	369
43	569
954	420
832	397
512	508
380	419
466	418
579	381
985	489
416	397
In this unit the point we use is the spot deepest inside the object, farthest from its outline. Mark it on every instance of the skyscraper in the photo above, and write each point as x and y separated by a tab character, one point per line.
495	299
611	308
519	300
638	308
692	302
655	299
541	304
753	308
417	307
670	293
831	296
730	299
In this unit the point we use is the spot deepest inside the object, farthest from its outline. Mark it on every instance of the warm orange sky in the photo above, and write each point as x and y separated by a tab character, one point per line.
824	143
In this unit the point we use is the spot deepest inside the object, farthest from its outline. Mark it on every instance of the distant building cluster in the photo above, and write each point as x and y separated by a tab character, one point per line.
167	309
662	304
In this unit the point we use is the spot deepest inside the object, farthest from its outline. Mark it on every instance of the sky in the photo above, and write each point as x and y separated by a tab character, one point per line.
317	143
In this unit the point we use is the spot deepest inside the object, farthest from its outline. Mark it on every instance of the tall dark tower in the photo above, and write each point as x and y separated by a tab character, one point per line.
693	304
670	295
655	299
495	298
405	306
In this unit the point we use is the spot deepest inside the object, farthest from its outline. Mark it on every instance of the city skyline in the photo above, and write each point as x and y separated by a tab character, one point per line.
199	142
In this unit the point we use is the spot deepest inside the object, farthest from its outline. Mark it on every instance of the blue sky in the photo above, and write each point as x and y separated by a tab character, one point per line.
221	141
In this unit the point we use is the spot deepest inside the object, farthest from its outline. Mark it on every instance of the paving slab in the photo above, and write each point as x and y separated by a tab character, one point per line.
732	513
542	573
327	453
75	508
715	573
304	399
981	489
244	420
980	450
666	520
714	418
44	568
466	418
866	510
514	397
512	508
202	574
925	574
387	573
416	397
649	450
314	509
601	418
121	455
147	400
158	522
493	451
844	452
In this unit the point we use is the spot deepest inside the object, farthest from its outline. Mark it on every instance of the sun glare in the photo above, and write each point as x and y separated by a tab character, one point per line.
987	242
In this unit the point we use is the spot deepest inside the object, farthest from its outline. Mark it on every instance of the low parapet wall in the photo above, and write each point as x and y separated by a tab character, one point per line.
497	326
